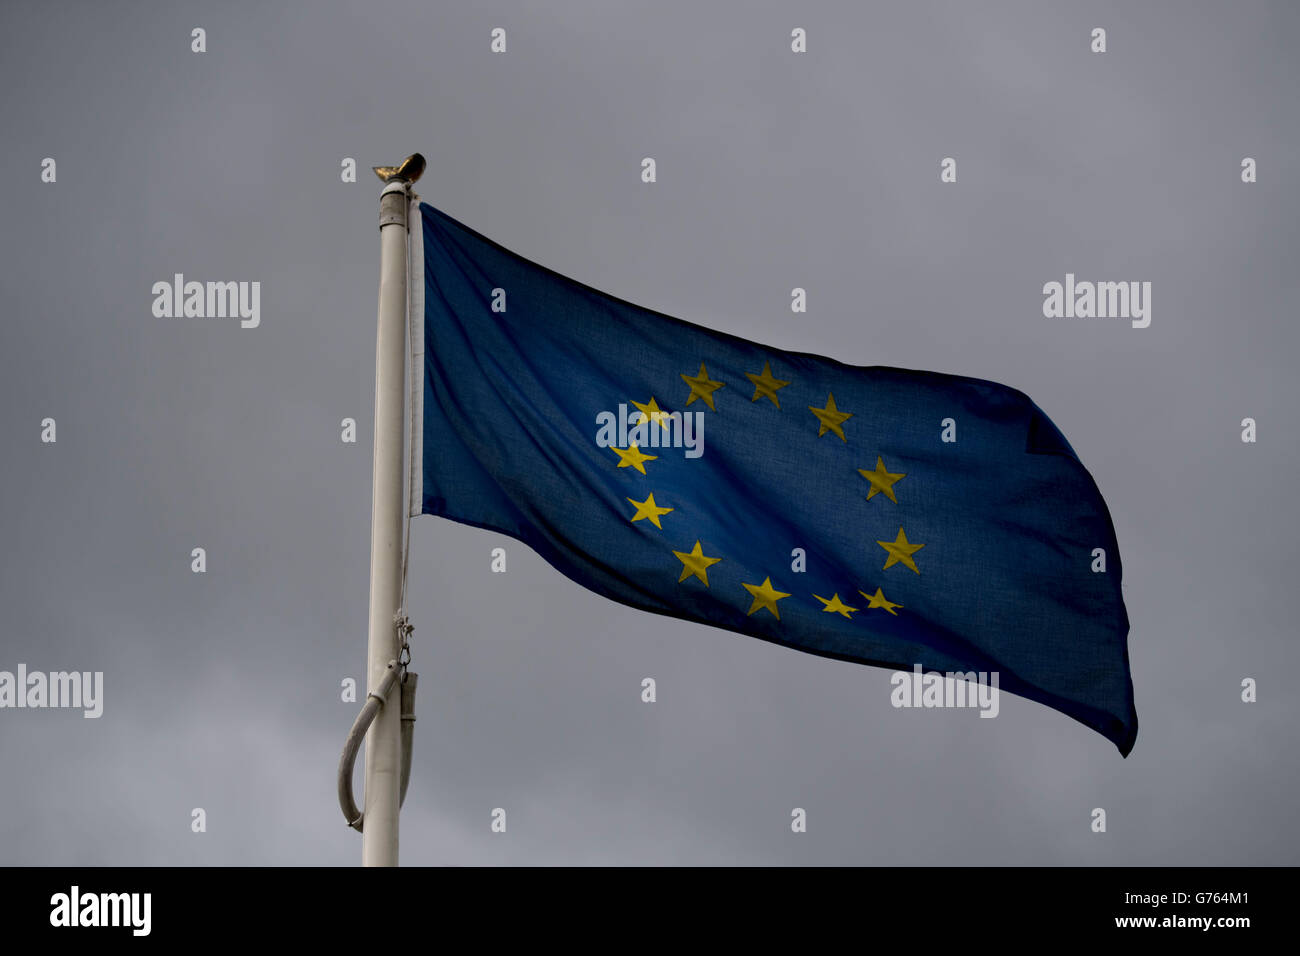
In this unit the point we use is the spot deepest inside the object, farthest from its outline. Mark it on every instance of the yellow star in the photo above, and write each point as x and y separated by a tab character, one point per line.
648	509
632	458
764	596
831	418
836	606
702	387
694	563
901	550
881	480
879	600
652	412
765	385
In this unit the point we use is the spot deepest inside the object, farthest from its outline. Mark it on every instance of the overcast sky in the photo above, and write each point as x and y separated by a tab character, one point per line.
775	170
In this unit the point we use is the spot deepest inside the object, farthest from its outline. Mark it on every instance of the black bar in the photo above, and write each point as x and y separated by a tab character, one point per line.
651	908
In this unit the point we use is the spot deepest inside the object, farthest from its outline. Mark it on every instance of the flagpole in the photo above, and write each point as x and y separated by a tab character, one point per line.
383	743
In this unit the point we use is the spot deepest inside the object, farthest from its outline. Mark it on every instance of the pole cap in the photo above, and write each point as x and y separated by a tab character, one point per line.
408	171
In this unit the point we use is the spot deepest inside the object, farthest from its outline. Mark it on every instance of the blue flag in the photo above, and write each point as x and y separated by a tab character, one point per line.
890	517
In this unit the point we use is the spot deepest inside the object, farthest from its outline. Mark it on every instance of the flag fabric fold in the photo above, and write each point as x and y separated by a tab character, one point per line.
889	517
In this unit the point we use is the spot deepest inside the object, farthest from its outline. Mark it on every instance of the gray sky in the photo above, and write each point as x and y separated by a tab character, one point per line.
775	170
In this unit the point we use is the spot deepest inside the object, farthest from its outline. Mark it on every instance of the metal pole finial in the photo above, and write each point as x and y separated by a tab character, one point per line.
409	171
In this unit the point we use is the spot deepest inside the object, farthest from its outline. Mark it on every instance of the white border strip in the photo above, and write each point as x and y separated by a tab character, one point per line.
415	350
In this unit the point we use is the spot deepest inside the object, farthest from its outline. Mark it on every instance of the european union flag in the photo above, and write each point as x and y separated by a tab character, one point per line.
868	514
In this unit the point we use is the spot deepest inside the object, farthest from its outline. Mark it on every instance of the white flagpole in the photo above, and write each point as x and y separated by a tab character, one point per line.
383	743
